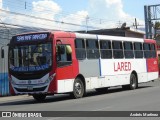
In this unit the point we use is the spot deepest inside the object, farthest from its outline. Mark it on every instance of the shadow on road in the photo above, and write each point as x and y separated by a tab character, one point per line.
63	97
113	90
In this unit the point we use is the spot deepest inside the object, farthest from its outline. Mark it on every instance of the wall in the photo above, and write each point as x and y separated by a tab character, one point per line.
4	82
133	34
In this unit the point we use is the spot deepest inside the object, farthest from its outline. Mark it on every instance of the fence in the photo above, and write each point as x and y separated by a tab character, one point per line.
4	84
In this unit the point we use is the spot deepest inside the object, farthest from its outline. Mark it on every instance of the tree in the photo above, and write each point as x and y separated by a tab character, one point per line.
157	25
156	28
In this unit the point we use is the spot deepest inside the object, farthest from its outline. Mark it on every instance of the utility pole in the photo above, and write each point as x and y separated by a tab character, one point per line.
25	5
136	23
87	18
151	13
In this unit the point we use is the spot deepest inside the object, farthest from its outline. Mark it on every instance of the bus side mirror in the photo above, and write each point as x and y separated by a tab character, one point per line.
2	53
68	49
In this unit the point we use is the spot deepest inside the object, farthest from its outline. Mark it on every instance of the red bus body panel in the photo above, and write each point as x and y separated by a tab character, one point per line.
152	63
67	72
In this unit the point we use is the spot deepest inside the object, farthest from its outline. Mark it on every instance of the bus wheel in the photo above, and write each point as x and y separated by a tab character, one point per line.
78	88
133	82
39	97
102	90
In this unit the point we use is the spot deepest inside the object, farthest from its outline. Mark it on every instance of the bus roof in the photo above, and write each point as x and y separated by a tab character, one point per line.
107	37
91	36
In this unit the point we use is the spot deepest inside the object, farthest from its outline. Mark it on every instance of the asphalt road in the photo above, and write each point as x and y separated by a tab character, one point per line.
145	98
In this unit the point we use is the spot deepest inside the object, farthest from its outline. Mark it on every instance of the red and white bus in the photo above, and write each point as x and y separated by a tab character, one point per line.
64	62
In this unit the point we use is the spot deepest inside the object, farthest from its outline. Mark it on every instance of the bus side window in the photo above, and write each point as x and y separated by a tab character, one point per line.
92	49
153	51
80	49
147	50
128	50
138	50
105	49
64	55
2	53
117	49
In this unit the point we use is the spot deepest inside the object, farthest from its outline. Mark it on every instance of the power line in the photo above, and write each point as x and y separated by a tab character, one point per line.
39	18
92	23
29	7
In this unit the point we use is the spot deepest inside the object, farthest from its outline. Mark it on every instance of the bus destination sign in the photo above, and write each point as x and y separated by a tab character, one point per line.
31	37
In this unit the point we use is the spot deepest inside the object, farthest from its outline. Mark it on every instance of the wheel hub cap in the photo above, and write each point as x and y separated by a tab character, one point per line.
78	88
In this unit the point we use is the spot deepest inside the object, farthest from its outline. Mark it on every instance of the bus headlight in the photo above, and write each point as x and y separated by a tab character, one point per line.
47	81
12	82
50	78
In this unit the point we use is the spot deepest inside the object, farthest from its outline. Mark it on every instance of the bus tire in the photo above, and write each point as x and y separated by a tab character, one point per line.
39	97
78	88
133	82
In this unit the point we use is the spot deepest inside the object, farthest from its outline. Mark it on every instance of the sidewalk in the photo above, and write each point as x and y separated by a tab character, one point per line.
17	97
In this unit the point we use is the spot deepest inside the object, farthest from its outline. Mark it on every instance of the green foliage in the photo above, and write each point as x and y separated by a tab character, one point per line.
157	25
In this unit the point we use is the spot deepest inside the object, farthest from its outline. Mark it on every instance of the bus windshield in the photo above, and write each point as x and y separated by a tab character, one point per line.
29	58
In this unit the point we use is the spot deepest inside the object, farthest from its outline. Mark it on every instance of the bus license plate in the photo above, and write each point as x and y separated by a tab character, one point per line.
30	88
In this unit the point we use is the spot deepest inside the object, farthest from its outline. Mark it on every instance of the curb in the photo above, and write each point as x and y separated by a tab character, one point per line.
17	97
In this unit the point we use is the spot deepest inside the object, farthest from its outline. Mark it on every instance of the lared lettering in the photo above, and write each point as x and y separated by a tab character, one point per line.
129	66
115	69
122	66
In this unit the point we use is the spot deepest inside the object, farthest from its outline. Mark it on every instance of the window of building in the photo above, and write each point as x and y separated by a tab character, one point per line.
128	50
80	49
138	50
92	49
105	48
117	49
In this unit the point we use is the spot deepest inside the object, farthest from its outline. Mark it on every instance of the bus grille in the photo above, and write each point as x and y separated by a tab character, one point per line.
34	89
